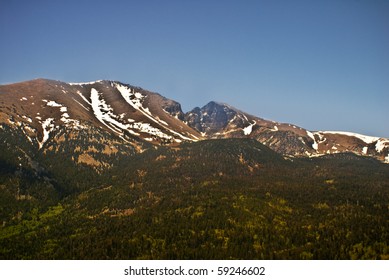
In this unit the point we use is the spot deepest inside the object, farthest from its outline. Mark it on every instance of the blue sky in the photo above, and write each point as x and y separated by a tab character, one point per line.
322	65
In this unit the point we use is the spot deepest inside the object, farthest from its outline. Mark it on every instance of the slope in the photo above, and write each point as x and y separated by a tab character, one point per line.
215	199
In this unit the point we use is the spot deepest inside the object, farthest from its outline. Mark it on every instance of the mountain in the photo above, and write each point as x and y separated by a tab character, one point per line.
218	120
46	111
106	170
212	199
41	107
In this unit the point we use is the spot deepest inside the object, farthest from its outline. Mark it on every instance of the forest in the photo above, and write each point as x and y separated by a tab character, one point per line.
213	199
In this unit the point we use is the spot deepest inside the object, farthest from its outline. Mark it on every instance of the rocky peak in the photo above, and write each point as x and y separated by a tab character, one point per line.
211	118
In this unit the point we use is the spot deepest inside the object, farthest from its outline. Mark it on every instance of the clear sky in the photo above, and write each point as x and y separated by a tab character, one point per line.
322	65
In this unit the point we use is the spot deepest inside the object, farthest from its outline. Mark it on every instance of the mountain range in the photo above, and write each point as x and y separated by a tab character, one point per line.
106	170
46	111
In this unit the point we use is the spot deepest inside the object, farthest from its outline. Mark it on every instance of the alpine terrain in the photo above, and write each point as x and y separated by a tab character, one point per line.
106	170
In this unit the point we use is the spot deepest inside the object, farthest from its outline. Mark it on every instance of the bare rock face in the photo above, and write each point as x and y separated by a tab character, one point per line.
49	114
211	119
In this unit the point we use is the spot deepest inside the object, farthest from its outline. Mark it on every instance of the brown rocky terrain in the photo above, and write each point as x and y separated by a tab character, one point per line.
48	112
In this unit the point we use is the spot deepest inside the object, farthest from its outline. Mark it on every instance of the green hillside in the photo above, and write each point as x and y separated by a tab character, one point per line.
214	199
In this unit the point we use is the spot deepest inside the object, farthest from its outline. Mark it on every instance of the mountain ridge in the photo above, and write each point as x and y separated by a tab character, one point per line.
41	107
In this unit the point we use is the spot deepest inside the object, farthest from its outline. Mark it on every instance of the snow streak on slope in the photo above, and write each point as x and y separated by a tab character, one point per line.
47	127
104	113
364	138
135	99
83	98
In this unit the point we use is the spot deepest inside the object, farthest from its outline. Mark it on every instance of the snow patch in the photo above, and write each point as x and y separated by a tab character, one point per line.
53	104
233	119
321	137
275	128
63	109
133	132
381	144
302	140
85	83
30	129
194	136
47	127
248	129
364	150
315	145
27	118
65	118
23	99
147	128
29	138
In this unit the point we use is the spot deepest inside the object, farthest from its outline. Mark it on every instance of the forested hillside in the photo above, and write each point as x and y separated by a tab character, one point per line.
214	199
